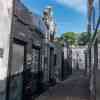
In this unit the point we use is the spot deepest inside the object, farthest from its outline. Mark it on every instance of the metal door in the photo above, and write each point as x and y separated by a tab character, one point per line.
17	64
51	63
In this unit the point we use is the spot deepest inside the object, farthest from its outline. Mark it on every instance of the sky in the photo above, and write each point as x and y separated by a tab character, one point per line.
69	15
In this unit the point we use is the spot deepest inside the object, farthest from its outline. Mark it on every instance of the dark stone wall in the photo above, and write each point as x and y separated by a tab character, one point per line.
25	34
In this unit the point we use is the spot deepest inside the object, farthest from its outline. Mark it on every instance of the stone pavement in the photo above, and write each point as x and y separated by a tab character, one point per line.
98	85
76	87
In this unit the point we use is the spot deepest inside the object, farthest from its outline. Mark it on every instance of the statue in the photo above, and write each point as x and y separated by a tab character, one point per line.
49	22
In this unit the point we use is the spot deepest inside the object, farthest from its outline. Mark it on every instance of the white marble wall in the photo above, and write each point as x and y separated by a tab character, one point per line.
5	30
81	57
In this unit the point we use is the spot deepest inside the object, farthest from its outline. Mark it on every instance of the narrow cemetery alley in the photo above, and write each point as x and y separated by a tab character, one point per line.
49	49
76	87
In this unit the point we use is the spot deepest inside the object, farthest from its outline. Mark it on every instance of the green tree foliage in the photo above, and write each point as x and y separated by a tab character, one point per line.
60	40
70	37
83	38
74	38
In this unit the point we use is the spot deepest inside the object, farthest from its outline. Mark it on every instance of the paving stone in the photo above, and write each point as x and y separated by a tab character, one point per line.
76	87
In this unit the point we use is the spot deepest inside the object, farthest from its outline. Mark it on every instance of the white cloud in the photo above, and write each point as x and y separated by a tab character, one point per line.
79	5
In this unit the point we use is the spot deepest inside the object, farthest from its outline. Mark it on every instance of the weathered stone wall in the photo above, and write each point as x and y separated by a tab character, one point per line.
99	58
5	31
78	57
58	62
98	76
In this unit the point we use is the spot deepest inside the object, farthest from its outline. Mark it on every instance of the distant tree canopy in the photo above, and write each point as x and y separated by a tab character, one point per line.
70	37
74	38
83	38
67	36
60	40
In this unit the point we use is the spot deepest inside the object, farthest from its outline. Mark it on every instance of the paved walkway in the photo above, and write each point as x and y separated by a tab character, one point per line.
76	87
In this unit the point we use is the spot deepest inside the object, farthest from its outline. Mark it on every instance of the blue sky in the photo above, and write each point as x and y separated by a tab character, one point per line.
70	15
